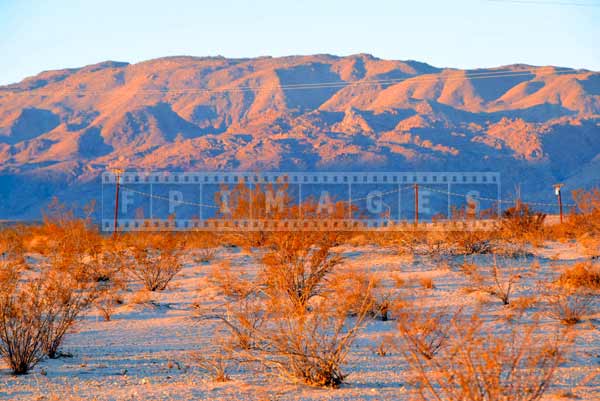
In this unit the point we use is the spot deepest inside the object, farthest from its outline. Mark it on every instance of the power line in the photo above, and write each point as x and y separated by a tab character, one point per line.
502	201
320	85
400	189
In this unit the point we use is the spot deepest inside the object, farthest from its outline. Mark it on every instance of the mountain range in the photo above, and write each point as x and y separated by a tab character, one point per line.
59	130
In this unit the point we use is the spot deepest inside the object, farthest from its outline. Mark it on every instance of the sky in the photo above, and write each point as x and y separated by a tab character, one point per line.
38	35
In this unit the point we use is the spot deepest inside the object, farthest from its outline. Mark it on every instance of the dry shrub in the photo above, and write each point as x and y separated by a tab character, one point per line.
467	242
309	345
384	346
66	298
427	283
204	255
425	330
583	223
498	279
154	259
143	297
410	242
215	364
245	202
436	245
231	284
12	243
65	281
217	361
243	311
520	224
570	306
90	265
513	362
35	315
581	275
24	330
107	300
297	263
359	285
296	318
202	245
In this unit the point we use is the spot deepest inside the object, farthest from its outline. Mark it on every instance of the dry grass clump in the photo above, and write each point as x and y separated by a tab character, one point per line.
573	295
478	362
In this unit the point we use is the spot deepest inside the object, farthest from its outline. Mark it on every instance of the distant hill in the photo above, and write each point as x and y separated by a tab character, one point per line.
60	129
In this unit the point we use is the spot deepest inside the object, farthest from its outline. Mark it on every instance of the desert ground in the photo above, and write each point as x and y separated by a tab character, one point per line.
148	349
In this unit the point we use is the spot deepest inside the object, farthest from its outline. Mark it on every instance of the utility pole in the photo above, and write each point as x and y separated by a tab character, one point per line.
416	204
558	194
117	173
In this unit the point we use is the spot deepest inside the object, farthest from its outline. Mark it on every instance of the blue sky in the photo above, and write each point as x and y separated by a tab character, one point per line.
42	35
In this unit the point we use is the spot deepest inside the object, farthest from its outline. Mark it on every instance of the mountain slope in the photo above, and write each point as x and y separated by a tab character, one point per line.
60	129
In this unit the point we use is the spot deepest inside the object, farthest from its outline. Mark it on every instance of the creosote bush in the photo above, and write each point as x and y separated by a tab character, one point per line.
35	315
297	318
297	263
425	330
498	279
154	259
570	306
479	362
522	224
584	275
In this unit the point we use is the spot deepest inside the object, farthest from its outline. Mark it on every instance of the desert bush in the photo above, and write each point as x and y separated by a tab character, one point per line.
243	309
204	255
154	259
202	245
467	242
24	328
520	224
570	306
427	283
514	362
309	346
35	314
12	243
297	263
410	242
582	223
425	330
107	299
436	245
299	321
581	275
384	346
215	362
499	278
66	299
